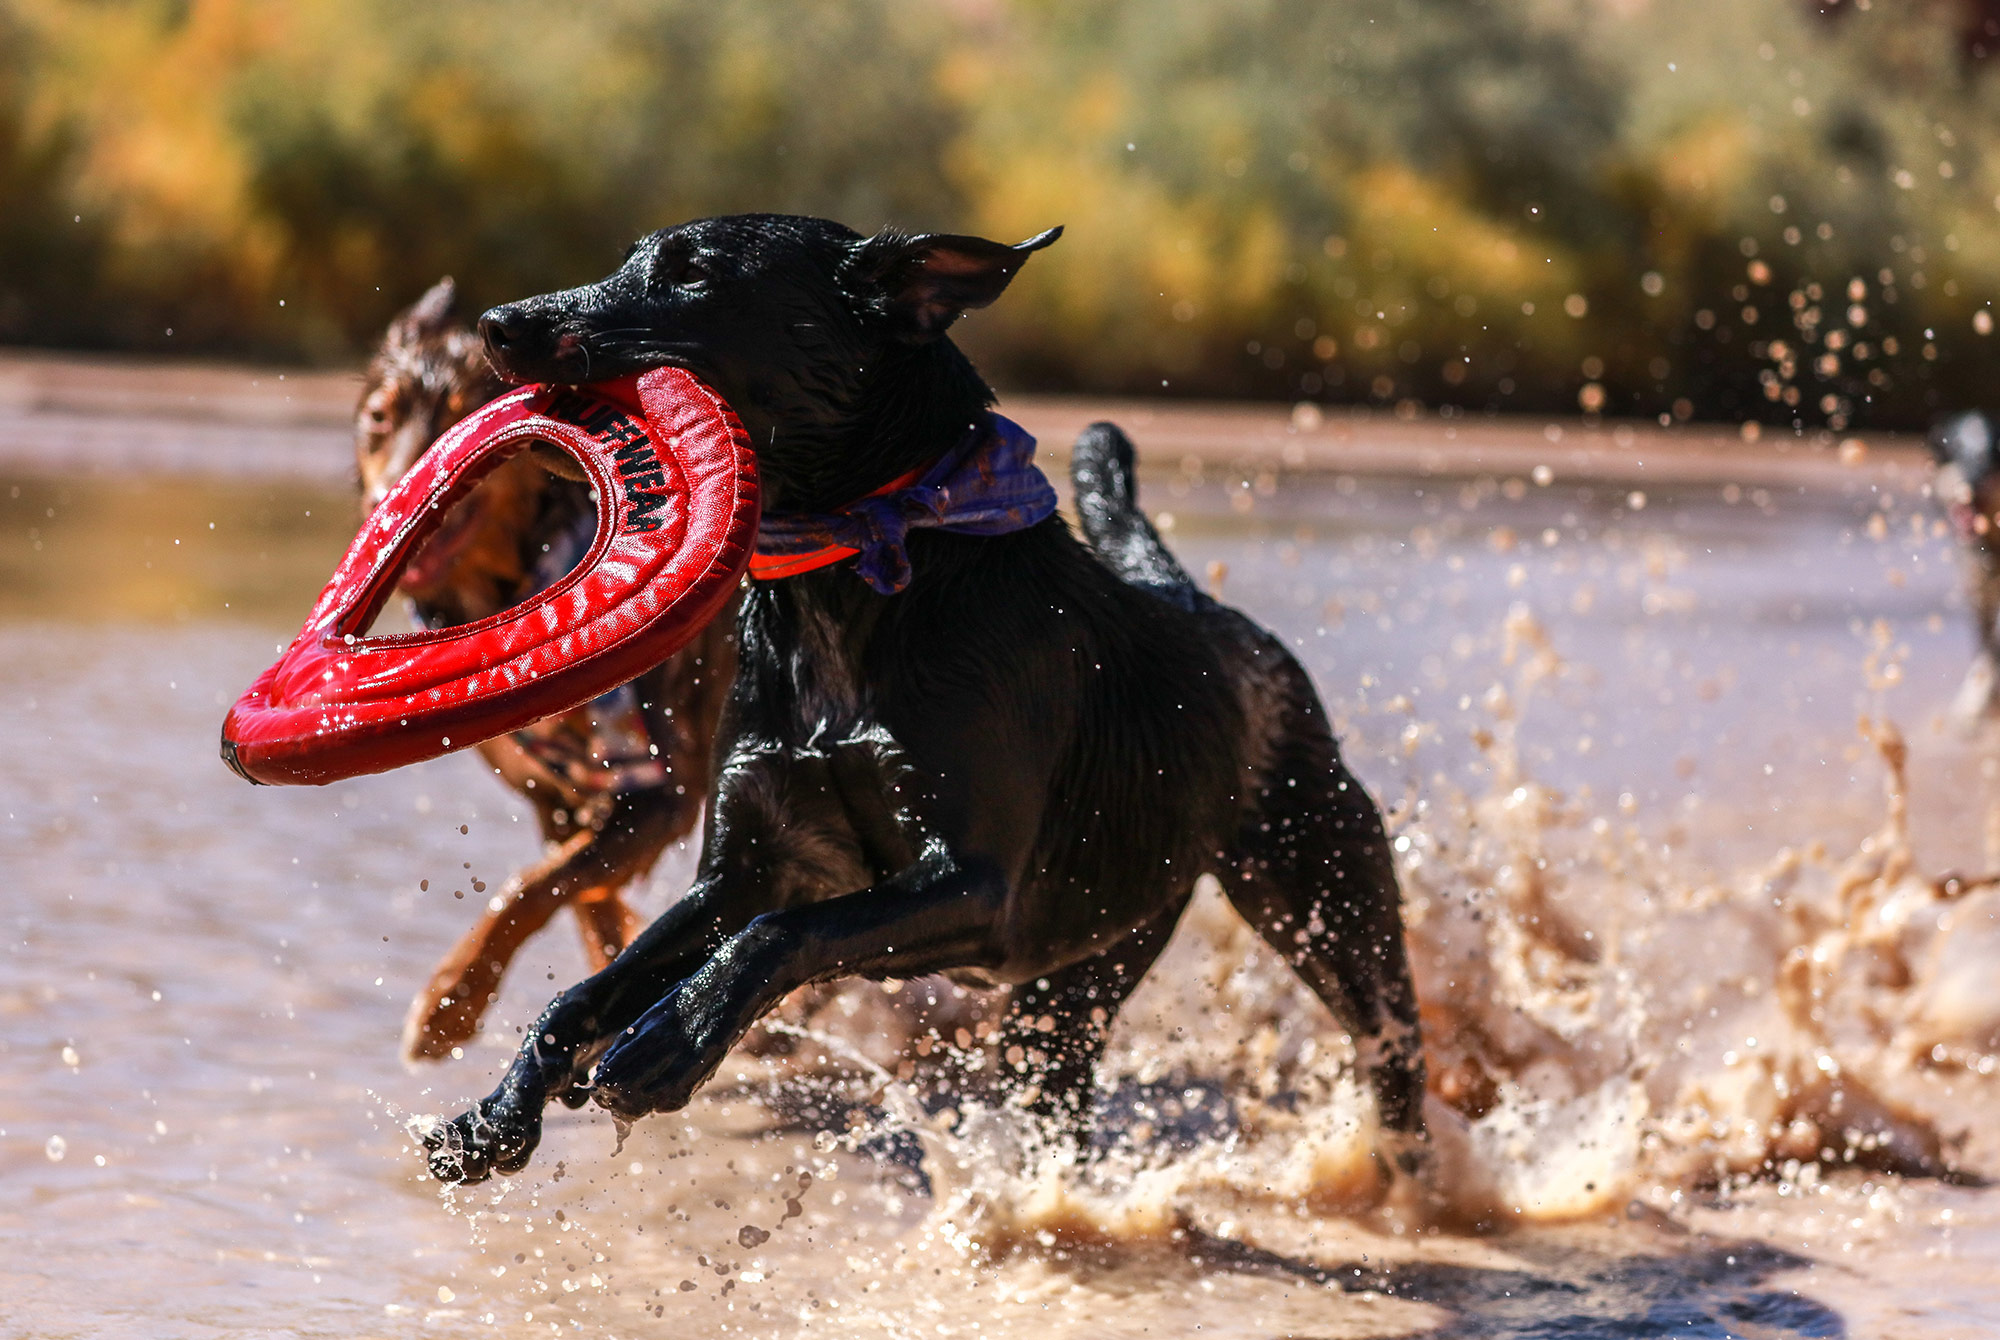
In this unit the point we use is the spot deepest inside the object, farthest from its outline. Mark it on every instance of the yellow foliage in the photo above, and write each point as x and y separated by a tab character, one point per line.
1356	198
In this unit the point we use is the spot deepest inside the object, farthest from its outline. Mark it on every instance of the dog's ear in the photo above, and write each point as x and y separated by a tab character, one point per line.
924	283
428	316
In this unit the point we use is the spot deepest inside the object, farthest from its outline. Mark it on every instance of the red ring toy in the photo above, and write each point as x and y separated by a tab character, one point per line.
676	487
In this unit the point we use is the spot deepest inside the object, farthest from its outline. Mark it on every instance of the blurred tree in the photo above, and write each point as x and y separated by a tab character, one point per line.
1719	207
46	253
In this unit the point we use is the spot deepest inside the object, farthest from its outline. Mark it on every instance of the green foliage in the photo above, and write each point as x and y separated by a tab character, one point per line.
1732	208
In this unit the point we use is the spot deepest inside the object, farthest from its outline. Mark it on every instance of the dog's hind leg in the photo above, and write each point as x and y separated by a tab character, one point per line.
588	872
1313	874
1059	1023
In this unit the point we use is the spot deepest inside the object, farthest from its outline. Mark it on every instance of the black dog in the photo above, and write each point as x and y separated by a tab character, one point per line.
1967	451
1012	771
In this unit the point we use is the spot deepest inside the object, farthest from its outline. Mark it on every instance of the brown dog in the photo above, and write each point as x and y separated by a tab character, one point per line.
613	782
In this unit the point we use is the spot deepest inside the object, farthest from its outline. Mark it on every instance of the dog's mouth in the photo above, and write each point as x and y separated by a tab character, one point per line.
572	356
430	568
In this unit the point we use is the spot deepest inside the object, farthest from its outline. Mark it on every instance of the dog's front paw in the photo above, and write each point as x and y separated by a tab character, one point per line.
658	1063
498	1135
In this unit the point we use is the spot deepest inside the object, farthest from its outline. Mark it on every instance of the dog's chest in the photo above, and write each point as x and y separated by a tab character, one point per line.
823	768
829	813
827	699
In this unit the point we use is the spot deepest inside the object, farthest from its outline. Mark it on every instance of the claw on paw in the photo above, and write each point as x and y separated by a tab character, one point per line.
474	1145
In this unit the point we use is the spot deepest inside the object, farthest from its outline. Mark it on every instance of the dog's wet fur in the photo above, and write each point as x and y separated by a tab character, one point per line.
1966	447
431	371
1011	772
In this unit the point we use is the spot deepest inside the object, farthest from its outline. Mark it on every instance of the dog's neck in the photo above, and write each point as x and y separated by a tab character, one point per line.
917	403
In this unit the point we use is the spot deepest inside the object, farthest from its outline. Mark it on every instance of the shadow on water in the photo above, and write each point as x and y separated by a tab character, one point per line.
1716	1290
1709	1290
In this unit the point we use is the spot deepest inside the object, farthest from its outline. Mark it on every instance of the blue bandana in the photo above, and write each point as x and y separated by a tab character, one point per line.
987	485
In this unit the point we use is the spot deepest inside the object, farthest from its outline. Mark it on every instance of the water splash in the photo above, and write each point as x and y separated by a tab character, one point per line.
1601	1032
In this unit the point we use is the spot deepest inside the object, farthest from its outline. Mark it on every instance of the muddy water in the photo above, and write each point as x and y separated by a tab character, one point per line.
1702	1014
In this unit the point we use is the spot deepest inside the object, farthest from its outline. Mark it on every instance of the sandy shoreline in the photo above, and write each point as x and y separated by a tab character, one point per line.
69	413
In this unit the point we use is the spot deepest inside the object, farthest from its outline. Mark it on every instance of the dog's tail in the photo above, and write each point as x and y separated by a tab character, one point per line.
1107	499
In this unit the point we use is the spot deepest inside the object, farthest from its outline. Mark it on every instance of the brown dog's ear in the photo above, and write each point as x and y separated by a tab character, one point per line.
924	283
428	315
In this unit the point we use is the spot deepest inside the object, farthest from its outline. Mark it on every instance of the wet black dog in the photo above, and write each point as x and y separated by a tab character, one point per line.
1967	450
1011	771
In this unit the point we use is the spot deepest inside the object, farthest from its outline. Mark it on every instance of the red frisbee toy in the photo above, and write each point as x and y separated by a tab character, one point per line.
676	488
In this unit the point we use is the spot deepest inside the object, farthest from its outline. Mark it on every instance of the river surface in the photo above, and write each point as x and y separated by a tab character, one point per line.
1707	1017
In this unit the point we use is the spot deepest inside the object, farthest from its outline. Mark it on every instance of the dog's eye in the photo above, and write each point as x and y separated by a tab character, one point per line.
681	271
378	413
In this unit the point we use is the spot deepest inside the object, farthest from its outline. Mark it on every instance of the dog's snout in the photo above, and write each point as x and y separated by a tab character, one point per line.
504	329
528	342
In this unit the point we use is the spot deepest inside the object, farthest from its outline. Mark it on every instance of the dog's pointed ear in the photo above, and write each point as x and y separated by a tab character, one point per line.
924	283
428	315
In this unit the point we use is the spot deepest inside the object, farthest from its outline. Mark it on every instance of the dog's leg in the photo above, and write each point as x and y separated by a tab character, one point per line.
606	922
501	1131
654	819
936	915
587	871
742	869
1314	875
1060	1023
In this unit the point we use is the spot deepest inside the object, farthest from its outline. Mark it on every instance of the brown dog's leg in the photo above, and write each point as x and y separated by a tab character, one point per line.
604	920
446	1012
606	924
589	870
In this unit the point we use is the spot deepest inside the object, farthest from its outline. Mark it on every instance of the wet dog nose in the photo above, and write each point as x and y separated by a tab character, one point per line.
504	328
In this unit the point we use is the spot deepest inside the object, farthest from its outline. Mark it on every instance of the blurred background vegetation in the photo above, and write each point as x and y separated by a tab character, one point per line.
1766	209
